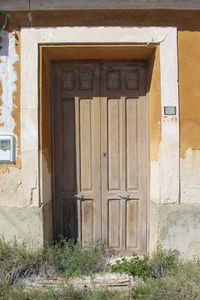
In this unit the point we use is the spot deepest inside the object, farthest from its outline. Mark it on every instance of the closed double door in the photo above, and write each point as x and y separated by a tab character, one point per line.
100	153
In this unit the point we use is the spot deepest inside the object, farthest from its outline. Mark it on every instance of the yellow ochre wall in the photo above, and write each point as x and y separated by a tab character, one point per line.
189	89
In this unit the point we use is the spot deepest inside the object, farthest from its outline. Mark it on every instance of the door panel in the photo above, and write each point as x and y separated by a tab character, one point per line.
100	153
131	230
85	145
69	149
114	217
131	144
113	145
124	162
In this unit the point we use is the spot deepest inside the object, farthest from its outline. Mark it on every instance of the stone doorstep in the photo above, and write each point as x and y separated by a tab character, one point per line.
107	280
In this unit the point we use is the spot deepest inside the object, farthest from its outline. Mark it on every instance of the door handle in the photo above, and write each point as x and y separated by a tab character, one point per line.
124	196
79	197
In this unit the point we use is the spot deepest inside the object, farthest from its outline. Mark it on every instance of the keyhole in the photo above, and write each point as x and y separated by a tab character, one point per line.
104	154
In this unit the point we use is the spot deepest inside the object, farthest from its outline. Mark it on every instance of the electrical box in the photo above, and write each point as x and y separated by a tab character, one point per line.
7	149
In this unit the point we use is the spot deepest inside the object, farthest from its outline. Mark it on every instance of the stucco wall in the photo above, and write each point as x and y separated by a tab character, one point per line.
11	188
189	55
10	176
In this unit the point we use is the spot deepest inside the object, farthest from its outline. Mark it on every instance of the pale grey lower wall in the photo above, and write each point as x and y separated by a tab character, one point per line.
31	225
179	227
153	226
172	226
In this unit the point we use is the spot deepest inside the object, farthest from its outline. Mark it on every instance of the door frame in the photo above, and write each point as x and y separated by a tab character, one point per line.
163	189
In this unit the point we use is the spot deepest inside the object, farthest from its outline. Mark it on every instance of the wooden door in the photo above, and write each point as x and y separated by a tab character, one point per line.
77	203
124	156
100	153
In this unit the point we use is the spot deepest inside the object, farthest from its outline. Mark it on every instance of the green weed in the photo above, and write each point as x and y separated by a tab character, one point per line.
67	293
163	276
135	266
73	259
163	261
146	267
16	261
181	283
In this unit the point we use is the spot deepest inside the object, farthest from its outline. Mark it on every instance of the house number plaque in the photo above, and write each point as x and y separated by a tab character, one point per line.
170	110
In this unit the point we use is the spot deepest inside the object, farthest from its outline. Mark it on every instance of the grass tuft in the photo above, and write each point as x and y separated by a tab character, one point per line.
67	293
64	258
184	284
163	276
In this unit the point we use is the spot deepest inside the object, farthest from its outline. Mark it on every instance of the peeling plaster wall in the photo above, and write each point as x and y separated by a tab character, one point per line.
22	224
189	73
190	176
170	224
10	176
8	78
179	228
155	125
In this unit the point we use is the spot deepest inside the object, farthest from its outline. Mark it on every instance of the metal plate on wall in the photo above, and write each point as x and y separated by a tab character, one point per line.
169	110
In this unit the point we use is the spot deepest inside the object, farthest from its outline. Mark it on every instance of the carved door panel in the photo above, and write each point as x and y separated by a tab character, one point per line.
100	153
77	200
124	156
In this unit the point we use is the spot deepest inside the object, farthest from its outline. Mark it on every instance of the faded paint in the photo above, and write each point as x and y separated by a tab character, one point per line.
175	226
190	177
153	232
155	106
10	187
16	97
8	78
155	124
22	224
10	178
167	221
179	228
9	103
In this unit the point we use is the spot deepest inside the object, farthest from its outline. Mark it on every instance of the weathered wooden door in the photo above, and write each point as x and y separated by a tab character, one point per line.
77	202
100	153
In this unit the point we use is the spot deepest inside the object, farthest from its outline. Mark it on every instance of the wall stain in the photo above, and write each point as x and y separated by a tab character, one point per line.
4	170
16	100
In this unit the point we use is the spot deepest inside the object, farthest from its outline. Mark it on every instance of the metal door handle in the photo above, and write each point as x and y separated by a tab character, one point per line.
79	197
124	196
